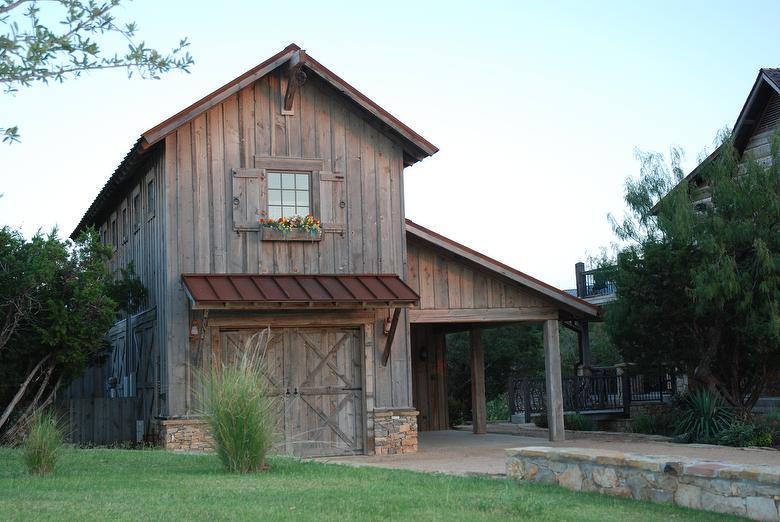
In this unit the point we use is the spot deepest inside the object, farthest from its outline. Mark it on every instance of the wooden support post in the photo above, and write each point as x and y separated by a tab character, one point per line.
478	402
579	275
553	382
626	385
584	341
527	399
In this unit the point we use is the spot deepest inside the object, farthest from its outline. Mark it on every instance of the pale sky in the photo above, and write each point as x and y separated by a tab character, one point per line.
536	108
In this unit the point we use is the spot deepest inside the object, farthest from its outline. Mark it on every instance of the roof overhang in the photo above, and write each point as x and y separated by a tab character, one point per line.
574	306
296	291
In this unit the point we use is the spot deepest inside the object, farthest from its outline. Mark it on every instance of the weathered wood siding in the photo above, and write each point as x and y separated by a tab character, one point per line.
363	210
759	146
447	282
141	242
429	370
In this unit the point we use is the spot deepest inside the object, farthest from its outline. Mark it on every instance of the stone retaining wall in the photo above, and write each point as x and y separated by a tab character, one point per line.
184	435
752	491
395	431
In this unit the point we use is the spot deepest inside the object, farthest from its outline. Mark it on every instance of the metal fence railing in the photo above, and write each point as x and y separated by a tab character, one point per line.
605	390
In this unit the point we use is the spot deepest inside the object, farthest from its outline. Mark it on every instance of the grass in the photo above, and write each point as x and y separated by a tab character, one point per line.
42	444
109	484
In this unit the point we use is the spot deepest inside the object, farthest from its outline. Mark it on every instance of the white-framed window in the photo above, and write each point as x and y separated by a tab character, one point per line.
289	194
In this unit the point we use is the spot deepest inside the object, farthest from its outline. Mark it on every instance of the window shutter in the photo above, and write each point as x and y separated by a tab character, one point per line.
332	204
248	198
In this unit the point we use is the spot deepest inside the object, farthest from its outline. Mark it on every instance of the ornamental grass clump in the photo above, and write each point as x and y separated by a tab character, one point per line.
43	443
238	409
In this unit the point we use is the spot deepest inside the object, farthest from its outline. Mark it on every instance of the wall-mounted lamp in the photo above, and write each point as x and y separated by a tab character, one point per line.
194	329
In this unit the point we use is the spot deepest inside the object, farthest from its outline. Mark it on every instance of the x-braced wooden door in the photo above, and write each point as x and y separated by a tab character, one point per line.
318	376
324	414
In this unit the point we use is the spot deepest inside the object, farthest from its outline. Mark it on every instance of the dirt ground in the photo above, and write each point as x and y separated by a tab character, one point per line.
462	453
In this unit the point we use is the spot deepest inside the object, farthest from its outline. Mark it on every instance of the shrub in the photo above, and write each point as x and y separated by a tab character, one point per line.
738	434
660	424
571	421
498	410
43	442
744	434
578	422
240	413
703	417
764	440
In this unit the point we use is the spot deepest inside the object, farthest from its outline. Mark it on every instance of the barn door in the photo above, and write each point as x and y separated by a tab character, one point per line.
147	373
325	412
317	375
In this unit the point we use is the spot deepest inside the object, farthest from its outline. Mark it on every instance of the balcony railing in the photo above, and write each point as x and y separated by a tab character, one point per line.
594	283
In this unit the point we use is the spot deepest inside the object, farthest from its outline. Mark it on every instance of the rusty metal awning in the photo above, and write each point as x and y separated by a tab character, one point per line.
279	291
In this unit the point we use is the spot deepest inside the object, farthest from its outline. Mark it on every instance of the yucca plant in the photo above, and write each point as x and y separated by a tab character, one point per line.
704	416
43	442
240	413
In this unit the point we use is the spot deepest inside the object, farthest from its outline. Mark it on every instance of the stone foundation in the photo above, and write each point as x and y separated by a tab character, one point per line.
752	491
395	432
184	435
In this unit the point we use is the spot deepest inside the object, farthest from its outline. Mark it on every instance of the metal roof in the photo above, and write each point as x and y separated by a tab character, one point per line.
296	290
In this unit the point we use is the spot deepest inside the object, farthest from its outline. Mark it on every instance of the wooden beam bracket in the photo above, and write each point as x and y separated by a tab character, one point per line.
296	77
391	336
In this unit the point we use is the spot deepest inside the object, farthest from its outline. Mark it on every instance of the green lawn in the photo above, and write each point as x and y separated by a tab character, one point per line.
105	484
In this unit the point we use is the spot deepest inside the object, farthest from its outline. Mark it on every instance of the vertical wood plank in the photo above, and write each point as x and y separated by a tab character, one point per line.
232	148
219	204
201	196
251	239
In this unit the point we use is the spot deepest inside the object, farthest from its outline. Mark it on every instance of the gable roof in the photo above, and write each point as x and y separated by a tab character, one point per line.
767	83
414	146
572	304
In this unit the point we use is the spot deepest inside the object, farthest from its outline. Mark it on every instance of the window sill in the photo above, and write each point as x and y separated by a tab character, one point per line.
269	234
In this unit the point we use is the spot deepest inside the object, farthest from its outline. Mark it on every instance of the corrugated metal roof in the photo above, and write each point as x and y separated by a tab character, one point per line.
295	290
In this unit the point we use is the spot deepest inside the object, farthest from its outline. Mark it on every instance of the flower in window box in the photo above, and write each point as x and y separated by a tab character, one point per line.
308	224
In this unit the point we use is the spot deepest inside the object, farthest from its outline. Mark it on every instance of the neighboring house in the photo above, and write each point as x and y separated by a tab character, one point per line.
754	129
357	317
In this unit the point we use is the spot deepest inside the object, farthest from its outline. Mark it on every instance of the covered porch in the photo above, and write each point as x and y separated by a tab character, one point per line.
462	290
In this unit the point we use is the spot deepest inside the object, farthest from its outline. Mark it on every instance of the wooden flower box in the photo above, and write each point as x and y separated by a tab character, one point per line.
271	234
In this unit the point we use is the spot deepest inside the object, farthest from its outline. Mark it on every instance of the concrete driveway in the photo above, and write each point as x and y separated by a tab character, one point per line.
463	453
452	452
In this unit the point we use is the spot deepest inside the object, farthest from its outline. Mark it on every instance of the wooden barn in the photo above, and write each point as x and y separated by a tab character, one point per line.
357	314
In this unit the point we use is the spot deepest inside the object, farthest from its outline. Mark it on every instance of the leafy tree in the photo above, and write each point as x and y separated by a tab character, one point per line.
699	281
33	51
55	311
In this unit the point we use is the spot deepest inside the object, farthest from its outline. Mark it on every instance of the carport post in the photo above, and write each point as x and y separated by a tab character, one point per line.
552	381
478	402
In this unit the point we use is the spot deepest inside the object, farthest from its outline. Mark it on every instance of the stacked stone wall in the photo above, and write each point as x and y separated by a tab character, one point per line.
751	491
184	435
395	432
